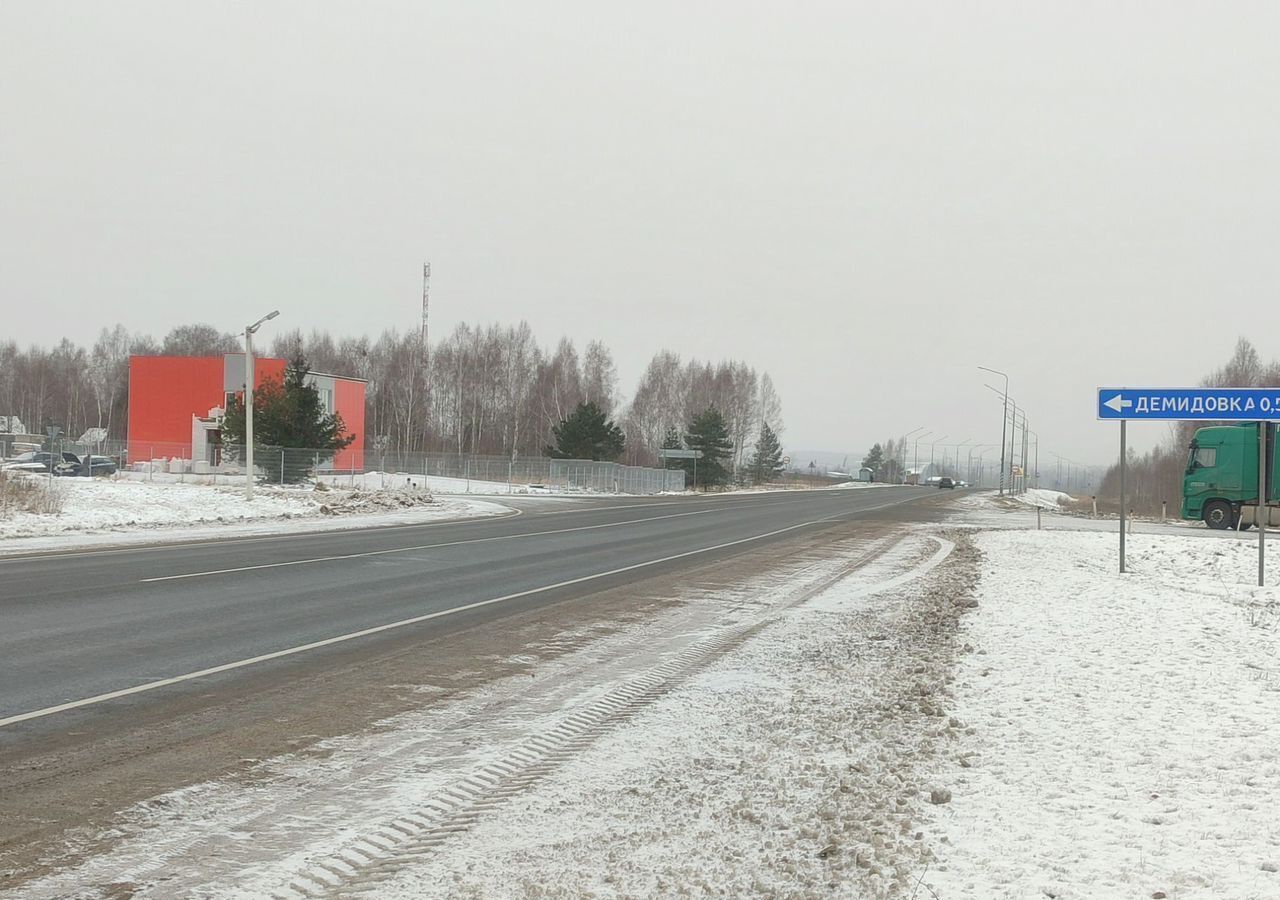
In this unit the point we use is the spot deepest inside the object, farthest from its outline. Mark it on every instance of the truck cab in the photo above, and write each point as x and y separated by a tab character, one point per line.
1220	484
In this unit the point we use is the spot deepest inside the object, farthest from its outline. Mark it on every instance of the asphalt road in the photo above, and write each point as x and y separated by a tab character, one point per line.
86	633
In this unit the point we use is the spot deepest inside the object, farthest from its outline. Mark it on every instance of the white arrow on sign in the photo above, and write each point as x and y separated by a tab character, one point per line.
1117	403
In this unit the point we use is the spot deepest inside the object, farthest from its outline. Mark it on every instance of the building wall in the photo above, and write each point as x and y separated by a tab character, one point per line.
166	391
264	368
348	402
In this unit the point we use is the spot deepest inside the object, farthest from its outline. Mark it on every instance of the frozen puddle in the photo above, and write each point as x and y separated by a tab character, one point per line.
404	809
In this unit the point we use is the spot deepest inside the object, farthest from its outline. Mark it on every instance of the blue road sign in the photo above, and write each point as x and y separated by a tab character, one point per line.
1205	404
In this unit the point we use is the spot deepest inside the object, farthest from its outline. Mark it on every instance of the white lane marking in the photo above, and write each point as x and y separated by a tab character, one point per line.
502	537
365	632
367	553
35	556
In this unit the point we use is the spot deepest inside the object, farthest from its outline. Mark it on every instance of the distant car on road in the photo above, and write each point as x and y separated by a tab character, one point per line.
946	483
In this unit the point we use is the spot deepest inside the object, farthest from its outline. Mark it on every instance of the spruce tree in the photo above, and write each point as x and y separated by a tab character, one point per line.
874	460
671	440
766	464
587	433
288	415
708	433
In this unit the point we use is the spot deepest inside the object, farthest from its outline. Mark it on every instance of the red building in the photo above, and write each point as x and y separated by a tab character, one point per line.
176	404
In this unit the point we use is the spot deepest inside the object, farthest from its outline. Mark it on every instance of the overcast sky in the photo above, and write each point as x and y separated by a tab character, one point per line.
867	200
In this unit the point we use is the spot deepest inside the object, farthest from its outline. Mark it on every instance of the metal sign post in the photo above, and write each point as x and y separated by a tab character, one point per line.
1124	453
1263	512
675	453
1261	405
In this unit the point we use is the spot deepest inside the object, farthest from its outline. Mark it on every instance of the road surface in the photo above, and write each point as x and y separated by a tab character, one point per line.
128	673
87	630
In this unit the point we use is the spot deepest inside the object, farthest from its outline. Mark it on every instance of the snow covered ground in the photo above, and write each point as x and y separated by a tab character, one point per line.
970	714
839	486
629	767
1127	728
987	510
103	511
1042	497
437	484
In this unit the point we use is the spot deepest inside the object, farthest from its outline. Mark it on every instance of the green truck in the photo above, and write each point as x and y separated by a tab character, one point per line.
1221	482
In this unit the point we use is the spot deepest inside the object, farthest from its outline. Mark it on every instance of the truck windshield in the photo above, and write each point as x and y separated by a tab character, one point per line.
1203	457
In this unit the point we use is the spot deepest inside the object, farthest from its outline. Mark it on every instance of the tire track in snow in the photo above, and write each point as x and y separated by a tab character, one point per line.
360	867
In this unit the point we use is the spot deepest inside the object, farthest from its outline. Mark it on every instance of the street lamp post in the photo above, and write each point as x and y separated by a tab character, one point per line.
982	467
960	446
249	332
1003	423
903	448
1035	459
931	446
1013	448
915	464
969	465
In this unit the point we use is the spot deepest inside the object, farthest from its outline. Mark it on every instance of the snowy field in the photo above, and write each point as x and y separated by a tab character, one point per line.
437	484
986	509
105	511
1042	497
1127	727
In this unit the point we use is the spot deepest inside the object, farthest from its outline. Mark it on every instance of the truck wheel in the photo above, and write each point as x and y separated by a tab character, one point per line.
1219	514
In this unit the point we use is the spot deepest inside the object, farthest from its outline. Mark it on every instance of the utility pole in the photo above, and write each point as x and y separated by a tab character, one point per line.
426	298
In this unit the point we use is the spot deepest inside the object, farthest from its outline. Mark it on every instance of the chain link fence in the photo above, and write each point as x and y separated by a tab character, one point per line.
442	472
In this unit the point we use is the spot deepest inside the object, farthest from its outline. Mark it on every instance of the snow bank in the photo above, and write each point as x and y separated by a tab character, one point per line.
792	767
93	504
1127	727
98	508
438	484
1043	498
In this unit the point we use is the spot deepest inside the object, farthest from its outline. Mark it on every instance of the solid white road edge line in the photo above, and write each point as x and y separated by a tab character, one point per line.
365	632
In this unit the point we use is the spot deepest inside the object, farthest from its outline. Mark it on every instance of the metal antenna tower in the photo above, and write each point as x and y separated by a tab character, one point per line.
426	296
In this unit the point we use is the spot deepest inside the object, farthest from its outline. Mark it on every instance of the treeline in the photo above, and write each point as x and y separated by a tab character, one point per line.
1156	476
892	460
483	389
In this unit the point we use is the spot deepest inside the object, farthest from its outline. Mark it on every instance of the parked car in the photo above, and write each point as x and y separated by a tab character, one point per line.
88	465
40	461
946	483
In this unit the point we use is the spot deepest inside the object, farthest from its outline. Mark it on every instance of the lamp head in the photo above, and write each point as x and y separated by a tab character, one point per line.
252	329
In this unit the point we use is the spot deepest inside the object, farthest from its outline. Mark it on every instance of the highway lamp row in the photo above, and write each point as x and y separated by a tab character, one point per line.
1026	451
